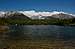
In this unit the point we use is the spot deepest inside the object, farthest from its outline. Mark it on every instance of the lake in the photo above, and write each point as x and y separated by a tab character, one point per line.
48	36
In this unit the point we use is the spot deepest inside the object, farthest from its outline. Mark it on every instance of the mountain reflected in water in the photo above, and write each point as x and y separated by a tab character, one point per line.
42	32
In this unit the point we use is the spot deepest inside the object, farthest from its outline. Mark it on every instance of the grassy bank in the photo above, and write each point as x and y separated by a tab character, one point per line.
29	44
8	21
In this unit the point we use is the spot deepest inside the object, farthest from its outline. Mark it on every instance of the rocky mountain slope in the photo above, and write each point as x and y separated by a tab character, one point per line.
36	15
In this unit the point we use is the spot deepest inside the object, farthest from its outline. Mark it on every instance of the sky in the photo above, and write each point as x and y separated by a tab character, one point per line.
39	5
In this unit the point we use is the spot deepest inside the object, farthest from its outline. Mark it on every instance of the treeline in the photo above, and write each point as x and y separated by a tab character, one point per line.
7	21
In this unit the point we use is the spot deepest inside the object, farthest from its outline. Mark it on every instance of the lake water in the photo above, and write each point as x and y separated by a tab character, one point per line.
37	32
41	33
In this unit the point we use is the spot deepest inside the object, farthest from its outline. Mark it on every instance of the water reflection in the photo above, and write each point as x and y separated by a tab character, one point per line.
47	32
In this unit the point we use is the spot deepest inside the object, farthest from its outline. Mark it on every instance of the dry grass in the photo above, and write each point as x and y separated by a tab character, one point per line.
3	29
41	44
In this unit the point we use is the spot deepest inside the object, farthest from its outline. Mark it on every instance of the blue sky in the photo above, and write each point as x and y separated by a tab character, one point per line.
38	5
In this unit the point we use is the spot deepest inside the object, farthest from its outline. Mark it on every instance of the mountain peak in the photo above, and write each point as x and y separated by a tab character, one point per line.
34	14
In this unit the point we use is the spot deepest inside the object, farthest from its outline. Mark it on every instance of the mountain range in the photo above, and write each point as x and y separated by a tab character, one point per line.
36	15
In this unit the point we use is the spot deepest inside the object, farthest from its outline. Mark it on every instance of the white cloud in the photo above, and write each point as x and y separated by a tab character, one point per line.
34	13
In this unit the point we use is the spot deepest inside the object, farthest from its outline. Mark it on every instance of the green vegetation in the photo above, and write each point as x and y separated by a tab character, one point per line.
9	21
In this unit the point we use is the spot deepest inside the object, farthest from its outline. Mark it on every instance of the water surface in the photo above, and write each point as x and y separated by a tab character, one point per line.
37	36
43	32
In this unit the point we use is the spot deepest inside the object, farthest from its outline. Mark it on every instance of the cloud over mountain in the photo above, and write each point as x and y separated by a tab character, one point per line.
34	13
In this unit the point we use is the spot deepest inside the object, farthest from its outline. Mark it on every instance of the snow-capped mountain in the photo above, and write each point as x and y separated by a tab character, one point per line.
43	15
2	13
13	14
60	16
38	15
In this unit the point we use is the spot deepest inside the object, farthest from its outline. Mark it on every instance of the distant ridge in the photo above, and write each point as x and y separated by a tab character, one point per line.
36	15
